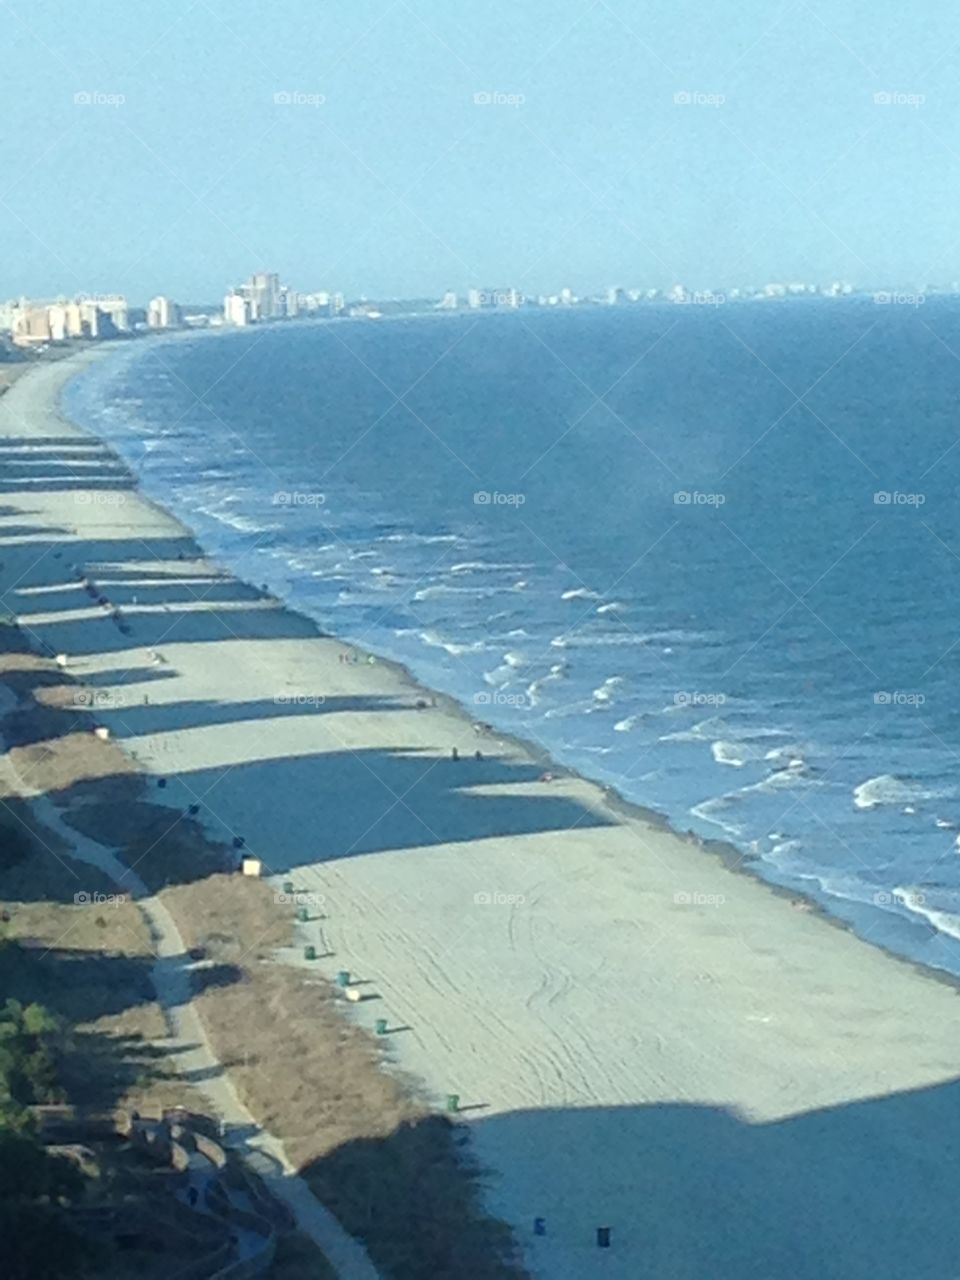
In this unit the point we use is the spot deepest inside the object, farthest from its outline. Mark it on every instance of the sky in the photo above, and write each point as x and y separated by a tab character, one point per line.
400	148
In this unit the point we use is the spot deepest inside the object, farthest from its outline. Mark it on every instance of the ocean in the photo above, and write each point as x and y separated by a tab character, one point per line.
708	555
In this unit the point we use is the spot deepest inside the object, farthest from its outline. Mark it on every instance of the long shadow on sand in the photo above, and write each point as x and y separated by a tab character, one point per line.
861	1191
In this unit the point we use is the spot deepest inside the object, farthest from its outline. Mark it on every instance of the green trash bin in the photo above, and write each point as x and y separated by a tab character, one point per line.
453	1102
381	1026
288	886
302	915
309	953
343	978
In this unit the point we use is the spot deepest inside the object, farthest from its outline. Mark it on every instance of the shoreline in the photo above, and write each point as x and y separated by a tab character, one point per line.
737	860
641	1028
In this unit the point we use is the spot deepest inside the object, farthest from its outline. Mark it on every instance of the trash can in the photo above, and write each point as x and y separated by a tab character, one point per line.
309	953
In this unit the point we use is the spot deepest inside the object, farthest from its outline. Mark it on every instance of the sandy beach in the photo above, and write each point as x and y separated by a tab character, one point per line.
640	1037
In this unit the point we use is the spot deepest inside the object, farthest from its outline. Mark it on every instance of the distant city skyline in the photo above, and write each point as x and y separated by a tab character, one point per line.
402	148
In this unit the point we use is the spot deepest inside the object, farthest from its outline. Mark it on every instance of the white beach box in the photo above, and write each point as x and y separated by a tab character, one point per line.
353	994
102	732
251	867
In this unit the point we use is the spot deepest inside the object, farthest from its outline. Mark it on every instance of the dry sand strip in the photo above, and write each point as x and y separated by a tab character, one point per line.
640	1037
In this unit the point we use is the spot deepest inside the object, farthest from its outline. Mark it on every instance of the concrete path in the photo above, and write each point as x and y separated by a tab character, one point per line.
195	1056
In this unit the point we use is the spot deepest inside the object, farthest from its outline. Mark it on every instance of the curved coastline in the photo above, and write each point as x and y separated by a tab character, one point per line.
898	935
639	982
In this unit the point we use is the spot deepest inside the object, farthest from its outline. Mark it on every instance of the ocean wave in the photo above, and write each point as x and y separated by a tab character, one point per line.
485	566
605	692
441	589
421	539
889	790
613	607
435	641
714	812
939	907
580	593
735	754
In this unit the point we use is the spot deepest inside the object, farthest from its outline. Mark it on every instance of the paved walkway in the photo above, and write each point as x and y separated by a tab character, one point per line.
195	1056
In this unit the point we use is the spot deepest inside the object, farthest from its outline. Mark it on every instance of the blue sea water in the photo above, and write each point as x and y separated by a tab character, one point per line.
709	555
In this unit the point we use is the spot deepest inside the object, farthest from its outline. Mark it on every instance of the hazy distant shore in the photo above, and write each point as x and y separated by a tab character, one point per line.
639	1036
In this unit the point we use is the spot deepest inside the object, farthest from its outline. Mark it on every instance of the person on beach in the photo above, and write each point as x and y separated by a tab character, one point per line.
454	753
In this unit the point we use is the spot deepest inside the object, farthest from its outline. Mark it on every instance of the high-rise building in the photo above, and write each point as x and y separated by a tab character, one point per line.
163	314
449	302
264	294
237	309
31	325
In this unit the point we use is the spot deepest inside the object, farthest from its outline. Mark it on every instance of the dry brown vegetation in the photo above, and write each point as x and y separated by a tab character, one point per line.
395	1175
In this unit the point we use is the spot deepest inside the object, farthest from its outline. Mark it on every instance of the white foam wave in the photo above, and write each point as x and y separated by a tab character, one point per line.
580	593
735	754
889	790
455	649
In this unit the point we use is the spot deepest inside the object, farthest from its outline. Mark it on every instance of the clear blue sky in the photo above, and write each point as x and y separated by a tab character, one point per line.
400	184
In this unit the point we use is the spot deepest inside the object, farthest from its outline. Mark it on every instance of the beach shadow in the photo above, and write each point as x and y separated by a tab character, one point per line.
859	1191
